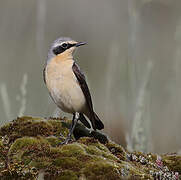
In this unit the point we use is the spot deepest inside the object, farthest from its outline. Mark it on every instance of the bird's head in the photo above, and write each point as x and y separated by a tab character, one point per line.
63	46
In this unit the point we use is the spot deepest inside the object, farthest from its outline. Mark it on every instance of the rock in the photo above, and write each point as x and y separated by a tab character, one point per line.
29	149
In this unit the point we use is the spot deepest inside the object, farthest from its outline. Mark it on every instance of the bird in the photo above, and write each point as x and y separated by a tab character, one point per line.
67	84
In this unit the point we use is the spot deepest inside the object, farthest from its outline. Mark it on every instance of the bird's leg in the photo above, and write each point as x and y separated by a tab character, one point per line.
61	135
74	122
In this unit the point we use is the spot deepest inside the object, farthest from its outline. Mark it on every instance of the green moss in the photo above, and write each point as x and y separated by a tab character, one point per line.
2	151
74	149
132	169
1	144
41	128
102	170
67	175
26	142
87	141
94	150
30	145
173	162
40	162
26	126
116	150
58	126
29	150
55	150
68	163
53	141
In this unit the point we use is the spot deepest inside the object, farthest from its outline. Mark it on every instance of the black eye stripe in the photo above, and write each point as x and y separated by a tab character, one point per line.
59	49
70	45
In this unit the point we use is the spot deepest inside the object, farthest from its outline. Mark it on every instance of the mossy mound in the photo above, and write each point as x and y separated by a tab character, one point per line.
29	149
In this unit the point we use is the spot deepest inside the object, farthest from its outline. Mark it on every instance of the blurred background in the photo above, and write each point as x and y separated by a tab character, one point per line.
132	63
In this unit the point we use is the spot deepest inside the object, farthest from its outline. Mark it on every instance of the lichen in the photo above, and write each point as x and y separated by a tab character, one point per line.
173	161
29	146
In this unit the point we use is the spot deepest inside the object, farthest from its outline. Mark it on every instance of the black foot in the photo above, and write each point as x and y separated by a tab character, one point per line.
74	122
61	136
66	141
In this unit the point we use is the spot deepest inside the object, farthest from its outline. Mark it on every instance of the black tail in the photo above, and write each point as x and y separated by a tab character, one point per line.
97	123
84	120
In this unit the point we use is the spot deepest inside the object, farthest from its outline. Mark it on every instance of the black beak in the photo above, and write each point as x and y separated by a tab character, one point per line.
80	44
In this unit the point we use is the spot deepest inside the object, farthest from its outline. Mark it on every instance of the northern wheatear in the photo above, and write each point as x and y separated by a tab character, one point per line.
67	84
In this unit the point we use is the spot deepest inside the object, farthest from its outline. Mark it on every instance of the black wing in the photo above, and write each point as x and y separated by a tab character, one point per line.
96	122
81	79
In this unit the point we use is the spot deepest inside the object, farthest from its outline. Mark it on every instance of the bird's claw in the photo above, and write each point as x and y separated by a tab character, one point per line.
66	141
61	135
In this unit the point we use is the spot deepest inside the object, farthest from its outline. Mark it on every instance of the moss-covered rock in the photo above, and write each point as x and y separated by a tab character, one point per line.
30	148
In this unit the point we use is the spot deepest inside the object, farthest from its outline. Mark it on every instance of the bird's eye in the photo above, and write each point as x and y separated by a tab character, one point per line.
64	45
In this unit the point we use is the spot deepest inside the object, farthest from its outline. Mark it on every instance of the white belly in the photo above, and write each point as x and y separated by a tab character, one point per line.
65	90
68	95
